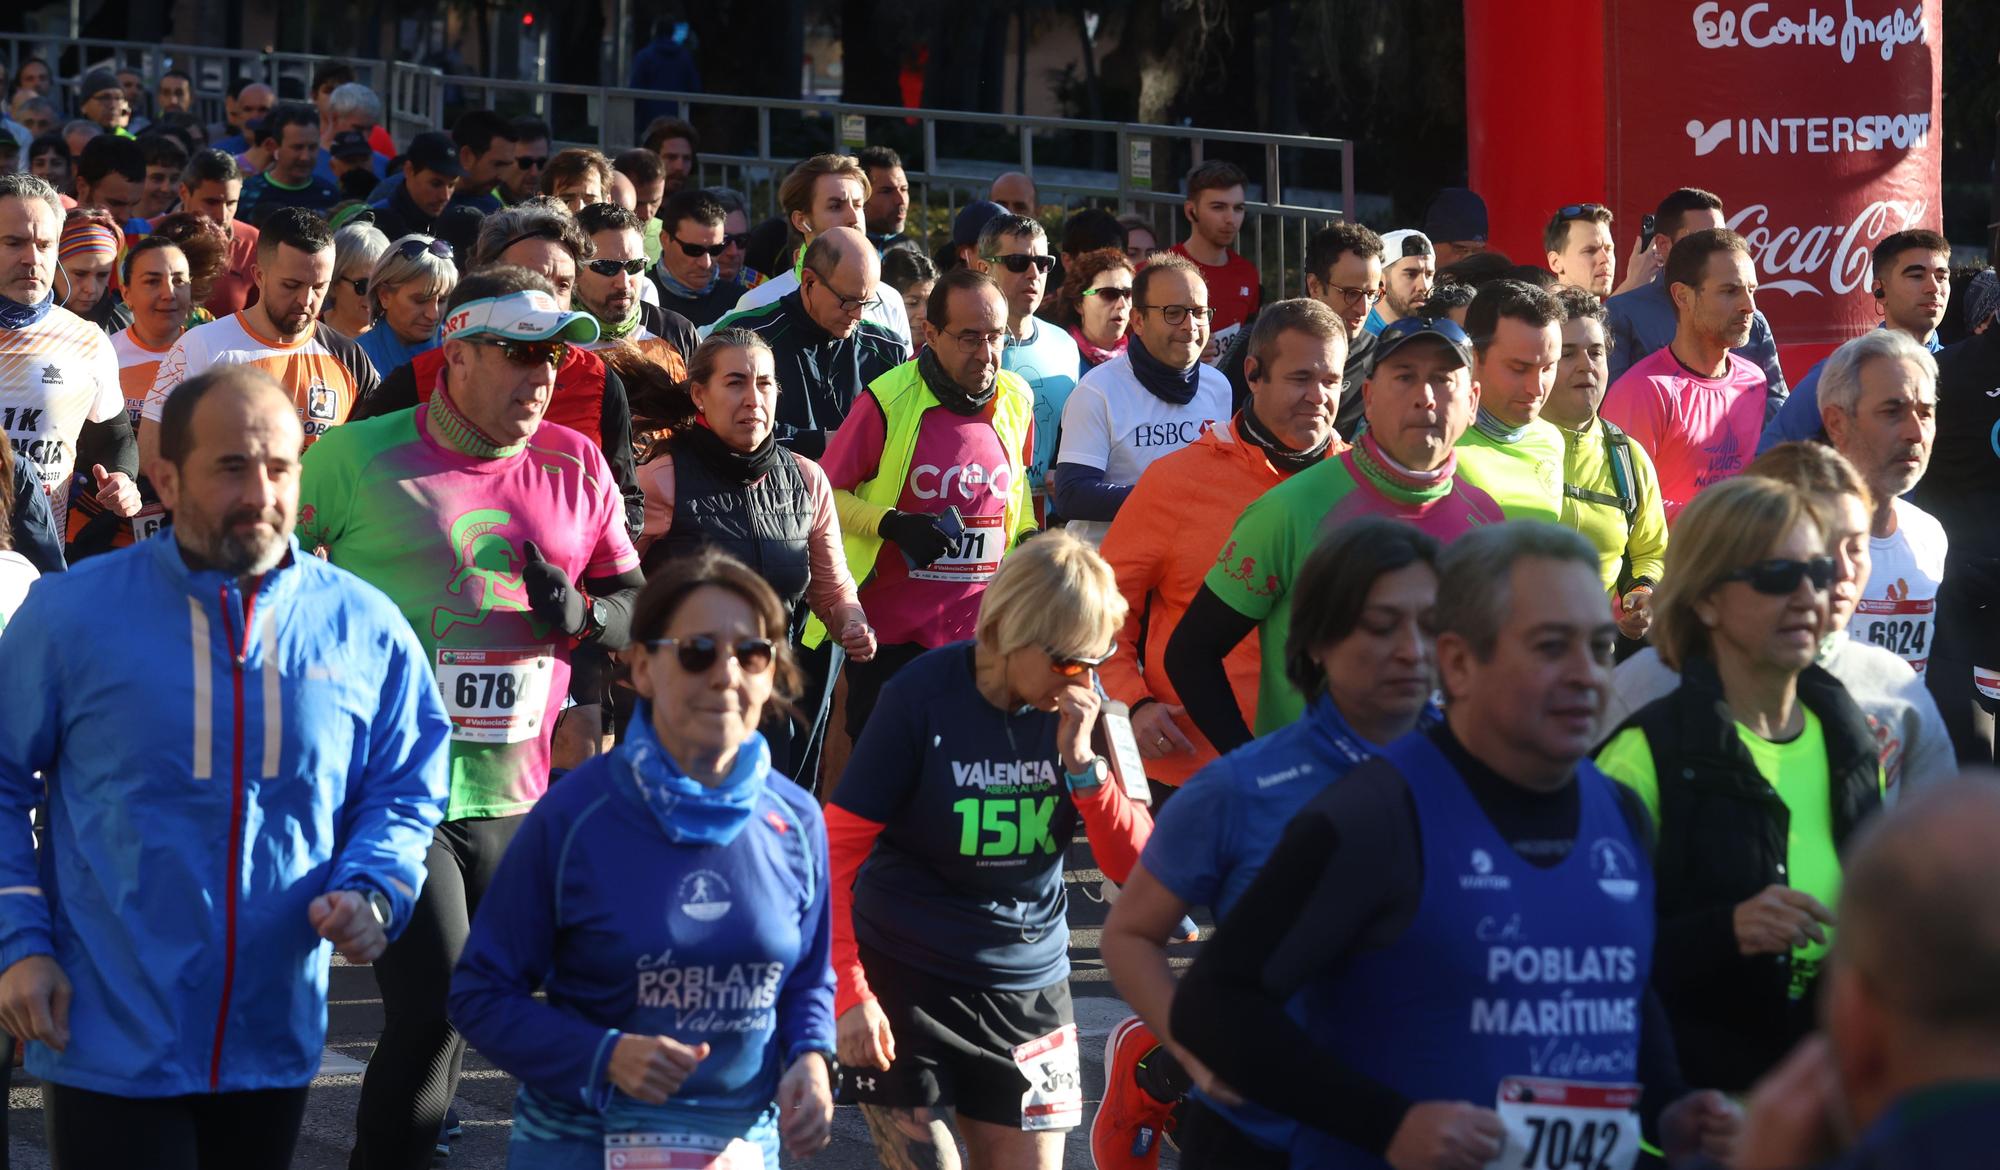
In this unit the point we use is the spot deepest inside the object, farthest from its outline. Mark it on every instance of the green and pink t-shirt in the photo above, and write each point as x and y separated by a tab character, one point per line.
443	533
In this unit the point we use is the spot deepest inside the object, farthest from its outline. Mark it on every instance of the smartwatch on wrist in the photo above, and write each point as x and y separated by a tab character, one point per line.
1094	773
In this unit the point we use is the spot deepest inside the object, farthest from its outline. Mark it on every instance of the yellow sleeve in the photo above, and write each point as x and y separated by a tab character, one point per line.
1628	759
857	514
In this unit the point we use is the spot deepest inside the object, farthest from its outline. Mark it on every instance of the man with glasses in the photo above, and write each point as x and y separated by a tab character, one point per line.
825	349
502	539
101	98
1580	248
1014	251
1152	400
1409	267
323	369
608	284
693	241
1344	273
824	192
531	154
1404	466
930	473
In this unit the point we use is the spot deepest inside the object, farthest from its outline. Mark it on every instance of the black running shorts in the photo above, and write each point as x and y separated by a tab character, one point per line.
954	1044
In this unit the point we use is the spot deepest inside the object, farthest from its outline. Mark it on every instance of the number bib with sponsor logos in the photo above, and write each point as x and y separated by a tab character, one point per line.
1566	1125
148	522
496	696
679	1151
1054	1072
977	556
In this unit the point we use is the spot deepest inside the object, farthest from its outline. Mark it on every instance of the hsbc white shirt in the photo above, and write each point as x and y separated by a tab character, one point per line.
1114	423
1898	609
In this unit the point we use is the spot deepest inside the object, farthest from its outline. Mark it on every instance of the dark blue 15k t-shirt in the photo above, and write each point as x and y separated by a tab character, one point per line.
965	881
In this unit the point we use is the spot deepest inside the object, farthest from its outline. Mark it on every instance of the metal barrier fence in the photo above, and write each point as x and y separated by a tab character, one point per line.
951	156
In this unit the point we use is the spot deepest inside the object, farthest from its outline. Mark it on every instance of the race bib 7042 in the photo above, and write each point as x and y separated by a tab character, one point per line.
1565	1125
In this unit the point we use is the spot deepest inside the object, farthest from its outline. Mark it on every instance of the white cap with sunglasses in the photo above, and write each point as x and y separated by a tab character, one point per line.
528	315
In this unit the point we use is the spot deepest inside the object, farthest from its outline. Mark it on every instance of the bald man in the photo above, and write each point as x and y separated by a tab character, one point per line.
1906	1072
1015	192
826	349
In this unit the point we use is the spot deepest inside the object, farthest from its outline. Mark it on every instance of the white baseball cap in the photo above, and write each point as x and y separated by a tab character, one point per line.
528	315
1401	245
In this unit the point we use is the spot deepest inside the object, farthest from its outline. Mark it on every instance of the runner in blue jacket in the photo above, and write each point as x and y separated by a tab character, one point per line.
671	899
242	755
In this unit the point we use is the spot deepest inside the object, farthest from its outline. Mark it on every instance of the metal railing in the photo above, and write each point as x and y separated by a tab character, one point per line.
954	159
951	156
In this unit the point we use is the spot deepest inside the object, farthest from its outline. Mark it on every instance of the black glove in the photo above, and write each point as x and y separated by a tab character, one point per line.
551	597
917	534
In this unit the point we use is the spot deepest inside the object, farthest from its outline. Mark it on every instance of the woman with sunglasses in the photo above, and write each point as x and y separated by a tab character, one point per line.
1756	770
671	900
1361	647
948	833
723	481
407	291
1096	304
356	248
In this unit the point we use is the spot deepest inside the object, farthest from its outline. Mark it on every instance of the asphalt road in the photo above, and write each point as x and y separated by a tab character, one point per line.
486	1095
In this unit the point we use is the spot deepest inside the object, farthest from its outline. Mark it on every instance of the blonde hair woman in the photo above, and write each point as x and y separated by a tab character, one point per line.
1756	769
407	290
947	838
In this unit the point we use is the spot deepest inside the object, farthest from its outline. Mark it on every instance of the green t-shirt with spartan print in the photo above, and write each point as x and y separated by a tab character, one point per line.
399	502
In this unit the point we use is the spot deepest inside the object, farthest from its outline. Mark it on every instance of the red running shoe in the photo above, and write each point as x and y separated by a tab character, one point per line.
1125	1134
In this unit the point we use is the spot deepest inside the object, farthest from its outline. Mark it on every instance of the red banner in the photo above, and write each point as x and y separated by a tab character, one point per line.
1818	122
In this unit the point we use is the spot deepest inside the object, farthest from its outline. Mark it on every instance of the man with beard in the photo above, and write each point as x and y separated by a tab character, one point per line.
608	284
215	818
323	369
1409	267
1692	404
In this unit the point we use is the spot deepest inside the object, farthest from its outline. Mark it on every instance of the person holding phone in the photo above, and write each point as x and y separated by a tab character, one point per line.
947	837
930	476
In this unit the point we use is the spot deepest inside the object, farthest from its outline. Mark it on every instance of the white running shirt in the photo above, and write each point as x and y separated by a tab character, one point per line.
1898	609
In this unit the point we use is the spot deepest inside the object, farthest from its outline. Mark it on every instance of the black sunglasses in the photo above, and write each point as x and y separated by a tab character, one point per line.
1581	211
735	239
1070	665
527	353
1019	262
698	653
632	267
529	162
358	284
1110	292
1778	577
411	249
688	249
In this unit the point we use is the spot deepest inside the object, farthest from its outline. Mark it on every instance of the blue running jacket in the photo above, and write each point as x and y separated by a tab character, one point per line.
212	762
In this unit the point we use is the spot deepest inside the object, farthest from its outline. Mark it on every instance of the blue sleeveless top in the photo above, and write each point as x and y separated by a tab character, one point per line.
1508	969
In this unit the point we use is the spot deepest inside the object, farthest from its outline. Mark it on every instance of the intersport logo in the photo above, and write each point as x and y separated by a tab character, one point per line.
1809	135
1817	259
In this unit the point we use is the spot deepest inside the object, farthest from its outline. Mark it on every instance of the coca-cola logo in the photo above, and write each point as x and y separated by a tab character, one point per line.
1793	258
1717	27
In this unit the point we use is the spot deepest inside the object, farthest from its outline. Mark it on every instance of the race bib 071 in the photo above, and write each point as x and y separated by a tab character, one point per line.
977	556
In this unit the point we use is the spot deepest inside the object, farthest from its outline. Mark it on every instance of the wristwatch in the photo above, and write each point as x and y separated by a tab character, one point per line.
595	615
379	906
1094	773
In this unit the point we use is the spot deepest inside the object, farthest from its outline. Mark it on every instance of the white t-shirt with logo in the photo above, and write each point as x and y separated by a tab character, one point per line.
1898	609
55	375
1114	423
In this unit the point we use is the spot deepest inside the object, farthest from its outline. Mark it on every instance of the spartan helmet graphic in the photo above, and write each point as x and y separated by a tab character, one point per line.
487	573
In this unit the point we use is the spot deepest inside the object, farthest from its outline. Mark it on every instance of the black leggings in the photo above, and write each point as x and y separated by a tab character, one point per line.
207	1131
414	1073
1207	1139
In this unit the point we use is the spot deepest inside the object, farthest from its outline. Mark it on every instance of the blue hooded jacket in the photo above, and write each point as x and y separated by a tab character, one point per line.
212	763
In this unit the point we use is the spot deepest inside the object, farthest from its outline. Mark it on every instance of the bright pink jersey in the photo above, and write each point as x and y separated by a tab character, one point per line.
960	463
1698	430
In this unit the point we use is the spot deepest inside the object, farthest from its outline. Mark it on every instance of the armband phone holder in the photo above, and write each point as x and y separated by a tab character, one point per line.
1113	739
